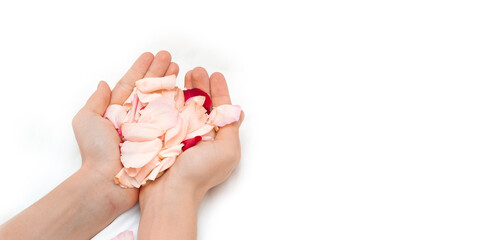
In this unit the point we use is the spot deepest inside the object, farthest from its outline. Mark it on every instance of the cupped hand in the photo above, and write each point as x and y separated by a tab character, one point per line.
208	163
98	141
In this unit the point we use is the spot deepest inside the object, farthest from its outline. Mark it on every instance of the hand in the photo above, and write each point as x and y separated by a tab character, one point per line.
97	139
169	204
209	162
88	200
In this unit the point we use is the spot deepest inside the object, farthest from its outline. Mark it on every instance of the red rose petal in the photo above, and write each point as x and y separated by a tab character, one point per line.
190	142
189	93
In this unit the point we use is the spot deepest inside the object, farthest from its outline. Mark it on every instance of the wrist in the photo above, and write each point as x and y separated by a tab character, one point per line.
169	191
169	210
110	195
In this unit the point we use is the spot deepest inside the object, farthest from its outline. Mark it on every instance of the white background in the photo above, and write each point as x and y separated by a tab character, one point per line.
364	119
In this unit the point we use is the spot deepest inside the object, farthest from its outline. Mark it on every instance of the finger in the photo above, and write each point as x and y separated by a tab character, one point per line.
173	69
126	85
200	79
220	96
99	100
160	64
187	80
219	90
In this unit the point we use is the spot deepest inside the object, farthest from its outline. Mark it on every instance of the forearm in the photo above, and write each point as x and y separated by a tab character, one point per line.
171	214
76	209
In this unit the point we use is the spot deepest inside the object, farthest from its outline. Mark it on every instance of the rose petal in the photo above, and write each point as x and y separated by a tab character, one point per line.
154	84
171	152
224	114
139	132
133	113
132	172
179	99
148	97
122	179
116	114
161	112
125	235
153	174
189	93
167	163
176	134
137	154
200	132
146	169
128	102
194	113
191	142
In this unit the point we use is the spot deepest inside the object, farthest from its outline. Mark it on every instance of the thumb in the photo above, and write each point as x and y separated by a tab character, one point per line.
99	100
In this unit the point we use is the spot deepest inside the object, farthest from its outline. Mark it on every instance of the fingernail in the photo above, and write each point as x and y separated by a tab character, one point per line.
99	85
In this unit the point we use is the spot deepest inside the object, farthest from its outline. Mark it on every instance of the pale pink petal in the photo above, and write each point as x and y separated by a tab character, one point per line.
160	112
176	134
179	99
125	235
200	132
169	93
154	84
133	110
116	114
162	166
137	154
167	163
194	113
154	173
171	152
200	100
132	172
148	97
128	103
122	179
133	182
189	93
139	132
145	170
224	114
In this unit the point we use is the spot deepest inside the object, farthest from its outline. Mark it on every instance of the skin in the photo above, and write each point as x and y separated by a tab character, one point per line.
88	201
169	205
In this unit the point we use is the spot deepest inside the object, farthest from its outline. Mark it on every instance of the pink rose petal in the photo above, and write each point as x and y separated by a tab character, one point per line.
194	113
179	99
148	97
224	114
200	132
176	134
122	179
189	93
153	84
171	152
145	170
125	235
137	154
140	132
161	112
116	114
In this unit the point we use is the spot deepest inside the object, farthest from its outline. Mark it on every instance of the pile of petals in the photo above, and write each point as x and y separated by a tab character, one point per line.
158	122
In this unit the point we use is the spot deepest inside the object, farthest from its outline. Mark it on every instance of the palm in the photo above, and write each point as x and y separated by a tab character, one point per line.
97	140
